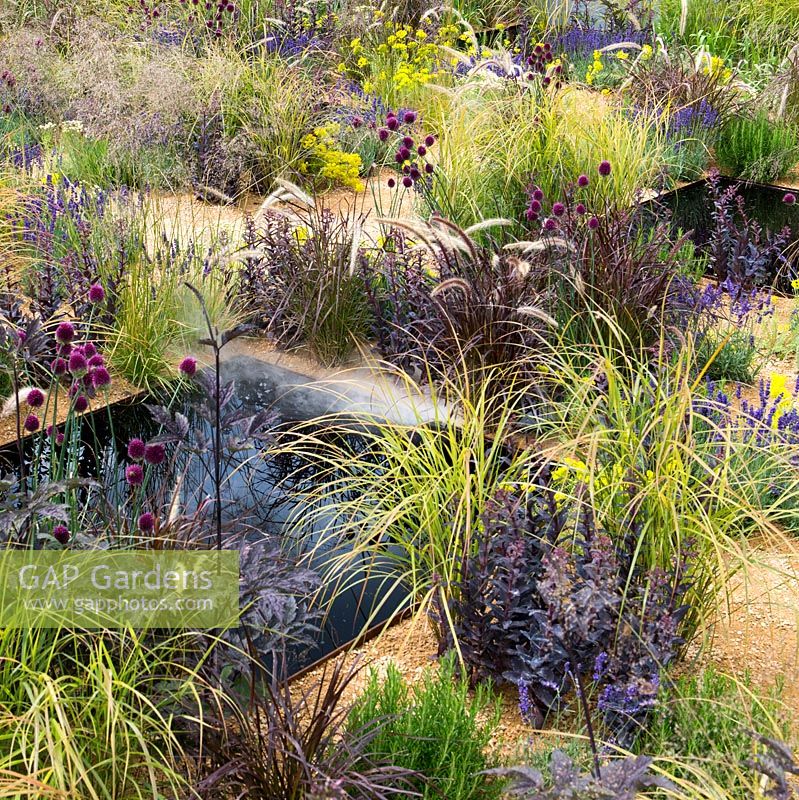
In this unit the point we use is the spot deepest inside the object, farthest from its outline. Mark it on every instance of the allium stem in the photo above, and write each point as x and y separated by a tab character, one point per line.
578	684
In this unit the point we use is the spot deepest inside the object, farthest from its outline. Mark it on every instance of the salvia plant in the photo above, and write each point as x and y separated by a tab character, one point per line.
549	599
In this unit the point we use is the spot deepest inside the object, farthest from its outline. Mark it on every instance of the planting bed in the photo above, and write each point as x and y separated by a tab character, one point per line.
470	330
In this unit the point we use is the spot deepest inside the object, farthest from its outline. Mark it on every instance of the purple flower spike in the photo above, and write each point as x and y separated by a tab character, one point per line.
382	134
61	534
65	333
59	366
136	449
188	366
410	117
604	168
134	475
429	140
78	364
35	398
558	209
550	224
146	522
407	182
391	183
580	209
154	454
582	181
31	423
593	223
101	377
81	403
96	293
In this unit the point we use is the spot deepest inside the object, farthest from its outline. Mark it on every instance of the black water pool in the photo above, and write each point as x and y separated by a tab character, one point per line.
262	492
691	209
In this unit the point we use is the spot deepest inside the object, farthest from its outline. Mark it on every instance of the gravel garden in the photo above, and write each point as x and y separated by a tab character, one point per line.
472	330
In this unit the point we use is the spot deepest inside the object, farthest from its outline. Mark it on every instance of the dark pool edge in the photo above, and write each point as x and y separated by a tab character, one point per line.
130	399
361	639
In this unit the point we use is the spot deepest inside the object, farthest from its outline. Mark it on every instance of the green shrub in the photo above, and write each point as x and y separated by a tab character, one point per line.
706	723
433	728
757	149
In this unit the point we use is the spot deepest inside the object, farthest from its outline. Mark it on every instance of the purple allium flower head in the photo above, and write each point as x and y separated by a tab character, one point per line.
146	522
789	199
535	206
88	350
61	534
550	224
22	336
101	377
429	140
188	367
421	150
538	194
356	122
530	214
582	181
392	123
96	293
407	182
35	398
96	361
134	475
407	141
31	423
64	349
65	332
154	453
382	134
604	168
391	183
593	223
428	168
410	117
59	438
403	154
78	364
136	448
580	208
558	209
81	403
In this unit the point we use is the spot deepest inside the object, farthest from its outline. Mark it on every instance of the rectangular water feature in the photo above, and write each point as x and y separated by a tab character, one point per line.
691	208
264	490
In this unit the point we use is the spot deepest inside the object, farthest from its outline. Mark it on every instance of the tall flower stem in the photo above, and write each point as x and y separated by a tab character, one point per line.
215	343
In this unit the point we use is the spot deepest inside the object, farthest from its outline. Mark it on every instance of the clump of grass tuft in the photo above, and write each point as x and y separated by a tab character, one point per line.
707	720
436	729
757	148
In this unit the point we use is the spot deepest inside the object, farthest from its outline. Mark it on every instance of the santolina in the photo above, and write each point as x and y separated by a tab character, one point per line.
103	576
